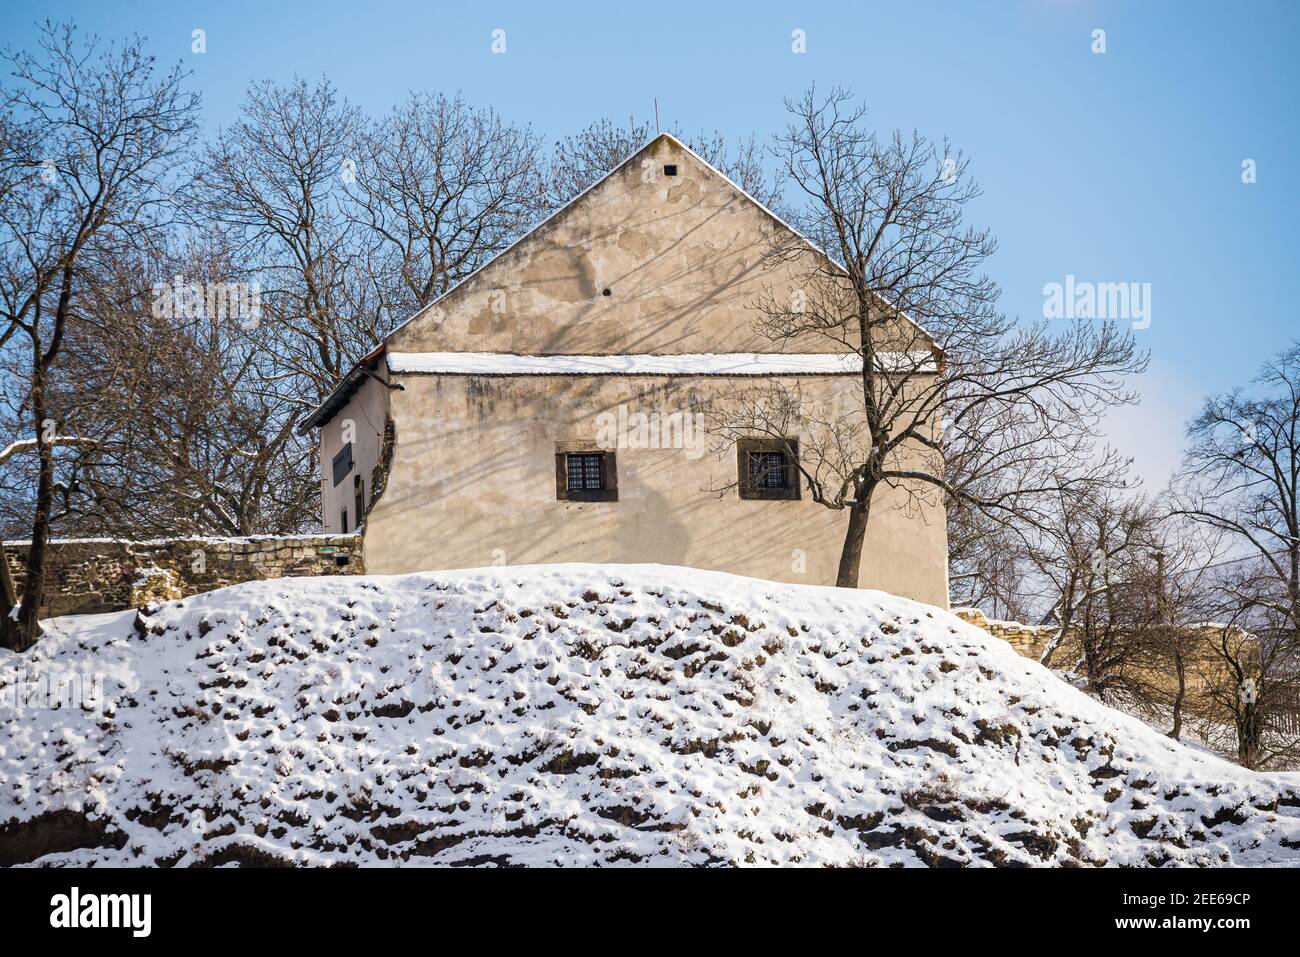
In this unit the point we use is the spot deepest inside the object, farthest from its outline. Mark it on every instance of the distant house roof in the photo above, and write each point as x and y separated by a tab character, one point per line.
341	392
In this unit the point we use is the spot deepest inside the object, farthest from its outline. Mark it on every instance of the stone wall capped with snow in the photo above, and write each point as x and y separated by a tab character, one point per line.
91	575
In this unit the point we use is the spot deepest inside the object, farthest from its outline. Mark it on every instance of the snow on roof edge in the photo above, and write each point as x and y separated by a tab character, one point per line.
684	364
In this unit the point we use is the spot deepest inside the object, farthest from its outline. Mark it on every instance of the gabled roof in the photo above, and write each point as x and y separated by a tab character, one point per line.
349	384
342	391
572	202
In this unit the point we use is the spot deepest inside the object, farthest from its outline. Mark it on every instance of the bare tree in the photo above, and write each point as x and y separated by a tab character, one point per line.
94	135
900	286
347	226
275	183
1242	478
1178	590
986	566
1253	679
439	188
204	436
93	395
1099	555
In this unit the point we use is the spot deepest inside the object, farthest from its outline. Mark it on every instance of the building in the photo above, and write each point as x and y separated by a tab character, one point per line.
549	408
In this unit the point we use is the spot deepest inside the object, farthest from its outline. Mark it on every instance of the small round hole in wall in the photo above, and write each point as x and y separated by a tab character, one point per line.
605	291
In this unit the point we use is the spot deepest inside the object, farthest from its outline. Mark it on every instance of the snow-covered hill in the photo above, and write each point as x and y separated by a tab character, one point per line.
594	715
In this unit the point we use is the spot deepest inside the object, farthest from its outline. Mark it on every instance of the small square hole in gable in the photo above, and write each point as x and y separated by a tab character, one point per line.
670	169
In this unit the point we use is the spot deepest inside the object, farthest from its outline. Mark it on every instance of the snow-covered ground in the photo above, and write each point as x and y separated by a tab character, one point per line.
582	714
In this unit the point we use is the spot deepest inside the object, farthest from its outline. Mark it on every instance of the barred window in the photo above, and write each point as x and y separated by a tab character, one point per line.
583	474
767	471
768	468
585	471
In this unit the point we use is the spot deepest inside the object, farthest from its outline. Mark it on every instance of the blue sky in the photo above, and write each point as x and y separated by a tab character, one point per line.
1120	167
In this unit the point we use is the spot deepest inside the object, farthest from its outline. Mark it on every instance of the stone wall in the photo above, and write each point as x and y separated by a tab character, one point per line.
1028	640
97	575
1204	668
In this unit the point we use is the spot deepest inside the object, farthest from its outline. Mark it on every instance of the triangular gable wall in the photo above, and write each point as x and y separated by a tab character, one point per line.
642	262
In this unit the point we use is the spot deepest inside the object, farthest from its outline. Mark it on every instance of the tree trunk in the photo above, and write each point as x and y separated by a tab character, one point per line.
1248	735
1064	614
1092	672
1180	669
29	618
854	536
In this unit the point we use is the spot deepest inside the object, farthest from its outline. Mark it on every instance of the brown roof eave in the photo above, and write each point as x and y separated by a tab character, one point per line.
342	392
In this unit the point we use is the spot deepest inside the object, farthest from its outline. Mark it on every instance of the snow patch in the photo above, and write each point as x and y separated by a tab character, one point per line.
700	364
584	715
